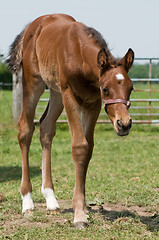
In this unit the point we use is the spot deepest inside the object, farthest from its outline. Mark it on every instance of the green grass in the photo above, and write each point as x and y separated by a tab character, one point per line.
122	186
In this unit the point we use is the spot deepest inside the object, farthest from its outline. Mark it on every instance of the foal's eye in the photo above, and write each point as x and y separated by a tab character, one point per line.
106	91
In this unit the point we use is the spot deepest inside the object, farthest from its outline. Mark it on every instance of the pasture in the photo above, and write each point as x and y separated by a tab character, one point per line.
122	188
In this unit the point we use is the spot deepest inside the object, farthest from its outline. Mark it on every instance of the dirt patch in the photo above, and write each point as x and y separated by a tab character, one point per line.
110	212
40	218
140	211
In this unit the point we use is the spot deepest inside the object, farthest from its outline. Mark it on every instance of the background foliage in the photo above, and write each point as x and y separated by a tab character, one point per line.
142	71
5	75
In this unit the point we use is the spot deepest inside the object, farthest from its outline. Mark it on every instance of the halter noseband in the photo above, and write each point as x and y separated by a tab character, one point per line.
113	101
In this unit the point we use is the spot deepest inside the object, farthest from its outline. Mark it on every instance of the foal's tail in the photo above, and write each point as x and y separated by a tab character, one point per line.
16	52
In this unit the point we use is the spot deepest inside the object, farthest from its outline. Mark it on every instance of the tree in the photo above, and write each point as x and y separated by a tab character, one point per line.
5	74
139	71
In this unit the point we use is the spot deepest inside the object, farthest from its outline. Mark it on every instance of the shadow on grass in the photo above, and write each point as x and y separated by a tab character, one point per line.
14	173
68	210
152	222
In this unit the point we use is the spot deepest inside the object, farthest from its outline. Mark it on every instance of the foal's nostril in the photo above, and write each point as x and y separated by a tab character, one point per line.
122	126
130	123
119	123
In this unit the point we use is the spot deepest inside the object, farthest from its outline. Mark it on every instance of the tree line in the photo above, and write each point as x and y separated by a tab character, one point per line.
142	71
5	75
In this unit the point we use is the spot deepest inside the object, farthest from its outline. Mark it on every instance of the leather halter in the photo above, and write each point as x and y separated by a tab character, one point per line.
113	101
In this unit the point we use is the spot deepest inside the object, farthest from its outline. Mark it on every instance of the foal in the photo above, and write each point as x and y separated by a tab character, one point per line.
74	61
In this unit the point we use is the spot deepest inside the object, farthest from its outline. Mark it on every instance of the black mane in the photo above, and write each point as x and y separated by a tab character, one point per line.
94	34
97	36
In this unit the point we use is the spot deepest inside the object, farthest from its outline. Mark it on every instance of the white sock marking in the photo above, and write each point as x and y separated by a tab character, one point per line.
119	76
51	202
27	202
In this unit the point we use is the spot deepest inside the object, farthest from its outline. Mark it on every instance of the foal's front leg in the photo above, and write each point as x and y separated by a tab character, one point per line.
79	154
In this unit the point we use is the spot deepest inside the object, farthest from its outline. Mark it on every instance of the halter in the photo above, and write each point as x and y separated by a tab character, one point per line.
113	101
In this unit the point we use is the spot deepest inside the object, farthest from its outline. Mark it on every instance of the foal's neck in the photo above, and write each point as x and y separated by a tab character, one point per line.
90	66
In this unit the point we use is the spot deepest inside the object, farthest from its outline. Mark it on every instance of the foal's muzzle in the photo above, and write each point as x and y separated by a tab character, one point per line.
123	129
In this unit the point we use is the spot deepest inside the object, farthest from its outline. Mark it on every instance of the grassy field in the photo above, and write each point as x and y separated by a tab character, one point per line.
122	184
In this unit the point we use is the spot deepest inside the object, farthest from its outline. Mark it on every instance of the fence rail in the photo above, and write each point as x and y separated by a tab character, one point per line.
152	99
144	101
144	108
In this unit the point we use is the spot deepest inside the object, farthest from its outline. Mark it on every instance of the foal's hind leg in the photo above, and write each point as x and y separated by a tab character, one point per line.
31	95
47	132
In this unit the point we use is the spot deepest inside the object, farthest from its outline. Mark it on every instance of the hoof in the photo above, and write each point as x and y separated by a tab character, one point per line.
53	212
80	225
28	213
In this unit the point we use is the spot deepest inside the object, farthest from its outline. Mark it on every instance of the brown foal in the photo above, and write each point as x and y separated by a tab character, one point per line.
74	61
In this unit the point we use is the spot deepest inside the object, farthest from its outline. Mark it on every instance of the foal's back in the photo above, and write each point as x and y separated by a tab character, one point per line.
46	42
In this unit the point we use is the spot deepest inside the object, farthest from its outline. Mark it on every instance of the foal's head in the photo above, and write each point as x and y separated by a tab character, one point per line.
116	87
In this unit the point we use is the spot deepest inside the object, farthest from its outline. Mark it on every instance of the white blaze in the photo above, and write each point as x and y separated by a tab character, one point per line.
119	76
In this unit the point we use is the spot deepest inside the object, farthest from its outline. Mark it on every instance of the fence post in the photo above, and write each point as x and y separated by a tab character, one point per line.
150	88
17	95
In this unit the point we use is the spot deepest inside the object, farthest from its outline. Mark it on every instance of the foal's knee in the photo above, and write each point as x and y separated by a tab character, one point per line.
80	151
25	132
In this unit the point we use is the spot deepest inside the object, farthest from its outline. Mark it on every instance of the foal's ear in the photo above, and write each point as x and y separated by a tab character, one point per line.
127	60
102	59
